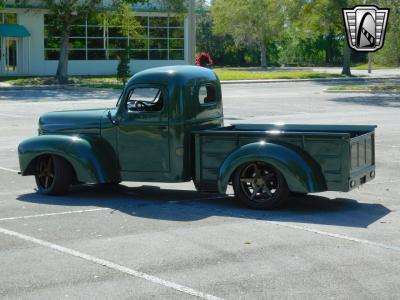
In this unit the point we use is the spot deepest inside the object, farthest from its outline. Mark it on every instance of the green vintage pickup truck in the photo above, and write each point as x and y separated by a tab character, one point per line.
167	126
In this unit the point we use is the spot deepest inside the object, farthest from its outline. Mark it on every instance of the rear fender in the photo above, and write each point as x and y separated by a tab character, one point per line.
302	173
93	159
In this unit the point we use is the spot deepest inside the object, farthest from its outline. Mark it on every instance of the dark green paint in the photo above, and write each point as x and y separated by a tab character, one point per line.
92	158
187	141
322	147
302	174
72	121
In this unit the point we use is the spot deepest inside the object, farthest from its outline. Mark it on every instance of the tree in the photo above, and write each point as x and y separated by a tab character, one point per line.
221	47
390	53
249	22
65	12
123	70
118	13
324	17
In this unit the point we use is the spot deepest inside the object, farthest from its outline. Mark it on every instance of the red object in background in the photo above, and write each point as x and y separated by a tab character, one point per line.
203	59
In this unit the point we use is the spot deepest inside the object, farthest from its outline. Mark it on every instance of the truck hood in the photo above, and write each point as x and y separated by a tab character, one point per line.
73	121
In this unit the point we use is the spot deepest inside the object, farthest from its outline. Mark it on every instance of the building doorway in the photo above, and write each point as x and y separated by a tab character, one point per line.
10	62
9	57
14	49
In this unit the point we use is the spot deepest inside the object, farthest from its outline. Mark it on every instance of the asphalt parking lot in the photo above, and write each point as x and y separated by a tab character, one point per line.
165	241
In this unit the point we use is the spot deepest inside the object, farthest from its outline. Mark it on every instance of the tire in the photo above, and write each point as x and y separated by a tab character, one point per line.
260	186
296	194
112	186
53	175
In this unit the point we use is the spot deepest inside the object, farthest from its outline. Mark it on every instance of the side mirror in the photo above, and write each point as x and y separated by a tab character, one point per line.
114	122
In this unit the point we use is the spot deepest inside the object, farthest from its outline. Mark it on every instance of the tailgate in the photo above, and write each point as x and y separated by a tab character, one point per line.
362	159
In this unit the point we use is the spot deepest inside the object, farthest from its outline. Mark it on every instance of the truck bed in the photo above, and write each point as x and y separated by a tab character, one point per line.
345	153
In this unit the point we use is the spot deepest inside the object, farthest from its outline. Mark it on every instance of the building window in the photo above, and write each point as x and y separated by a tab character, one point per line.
161	38
8	18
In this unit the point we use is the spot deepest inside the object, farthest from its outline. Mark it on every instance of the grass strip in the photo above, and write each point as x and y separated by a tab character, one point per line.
373	67
229	74
113	83
383	87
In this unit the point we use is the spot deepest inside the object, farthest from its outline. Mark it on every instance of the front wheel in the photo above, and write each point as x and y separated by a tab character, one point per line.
260	185
53	175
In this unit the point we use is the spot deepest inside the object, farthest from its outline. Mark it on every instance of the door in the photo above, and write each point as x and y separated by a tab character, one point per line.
11	55
9	52
143	131
2	55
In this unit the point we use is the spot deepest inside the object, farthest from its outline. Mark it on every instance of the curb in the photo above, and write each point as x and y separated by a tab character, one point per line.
53	87
307	79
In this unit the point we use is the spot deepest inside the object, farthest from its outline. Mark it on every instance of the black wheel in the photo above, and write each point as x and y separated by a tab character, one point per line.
296	194
260	185
53	175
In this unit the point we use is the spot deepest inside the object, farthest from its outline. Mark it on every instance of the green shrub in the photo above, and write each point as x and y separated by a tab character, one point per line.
123	70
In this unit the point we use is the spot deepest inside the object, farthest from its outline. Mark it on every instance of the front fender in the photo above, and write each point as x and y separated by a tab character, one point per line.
93	159
302	173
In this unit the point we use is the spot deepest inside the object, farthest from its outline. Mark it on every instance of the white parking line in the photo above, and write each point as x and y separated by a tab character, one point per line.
385	145
9	170
336	235
54	214
386	182
111	265
20	192
12	115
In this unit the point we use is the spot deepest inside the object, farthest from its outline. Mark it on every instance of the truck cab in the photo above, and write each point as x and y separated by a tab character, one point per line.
154	118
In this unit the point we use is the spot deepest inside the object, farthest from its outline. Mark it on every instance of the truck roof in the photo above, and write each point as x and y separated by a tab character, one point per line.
178	74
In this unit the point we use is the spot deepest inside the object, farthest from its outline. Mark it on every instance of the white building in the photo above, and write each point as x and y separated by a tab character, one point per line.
29	45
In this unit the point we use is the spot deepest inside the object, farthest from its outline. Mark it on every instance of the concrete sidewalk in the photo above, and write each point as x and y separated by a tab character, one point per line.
310	79
5	85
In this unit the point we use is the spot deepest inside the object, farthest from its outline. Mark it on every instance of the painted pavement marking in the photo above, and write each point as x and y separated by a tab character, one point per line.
111	265
336	235
54	214
9	170
12	115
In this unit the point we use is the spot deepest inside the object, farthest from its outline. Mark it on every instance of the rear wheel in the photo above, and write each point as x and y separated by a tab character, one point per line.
53	175
296	194
260	185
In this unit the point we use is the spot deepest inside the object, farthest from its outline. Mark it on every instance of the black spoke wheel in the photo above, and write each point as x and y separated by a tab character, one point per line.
260	185
53	175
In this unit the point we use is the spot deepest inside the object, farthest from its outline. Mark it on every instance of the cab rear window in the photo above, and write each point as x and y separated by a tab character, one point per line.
207	94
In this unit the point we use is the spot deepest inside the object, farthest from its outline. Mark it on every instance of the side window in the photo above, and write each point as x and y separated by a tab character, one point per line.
207	94
145	99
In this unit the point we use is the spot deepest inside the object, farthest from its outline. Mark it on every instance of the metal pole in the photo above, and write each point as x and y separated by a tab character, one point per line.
23	60
192	32
369	62
29	55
